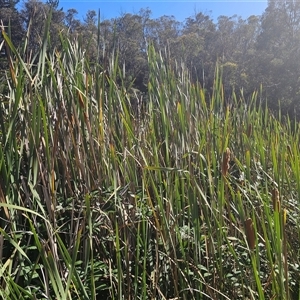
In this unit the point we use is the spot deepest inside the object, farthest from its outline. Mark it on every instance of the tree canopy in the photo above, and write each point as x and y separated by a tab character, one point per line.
261	50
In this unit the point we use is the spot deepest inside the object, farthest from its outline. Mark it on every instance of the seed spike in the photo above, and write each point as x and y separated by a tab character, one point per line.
250	234
225	162
276	199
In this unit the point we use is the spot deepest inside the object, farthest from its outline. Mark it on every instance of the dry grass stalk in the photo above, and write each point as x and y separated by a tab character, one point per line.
289	149
284	216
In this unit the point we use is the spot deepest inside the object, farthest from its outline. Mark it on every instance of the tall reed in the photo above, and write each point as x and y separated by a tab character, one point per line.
105	194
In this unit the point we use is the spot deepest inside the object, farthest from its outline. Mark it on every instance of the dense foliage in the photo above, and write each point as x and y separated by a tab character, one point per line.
187	190
261	50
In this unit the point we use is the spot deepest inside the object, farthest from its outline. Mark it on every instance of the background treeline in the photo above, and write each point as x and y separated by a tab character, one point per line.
258	51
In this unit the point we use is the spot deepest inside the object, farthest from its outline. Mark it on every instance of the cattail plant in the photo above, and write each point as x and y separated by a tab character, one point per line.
99	204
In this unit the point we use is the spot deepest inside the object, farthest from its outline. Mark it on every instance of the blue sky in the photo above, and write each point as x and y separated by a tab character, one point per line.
179	9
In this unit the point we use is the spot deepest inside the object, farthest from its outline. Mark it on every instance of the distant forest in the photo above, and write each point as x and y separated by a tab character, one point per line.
260	53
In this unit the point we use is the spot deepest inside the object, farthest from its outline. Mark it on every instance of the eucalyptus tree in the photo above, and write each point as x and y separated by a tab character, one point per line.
34	14
196	44
88	34
128	40
235	48
53	3
73	24
10	18
279	53
9	15
166	29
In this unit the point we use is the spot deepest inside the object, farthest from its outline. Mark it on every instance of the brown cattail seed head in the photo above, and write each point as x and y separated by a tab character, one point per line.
249	130
250	234
276	200
225	162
